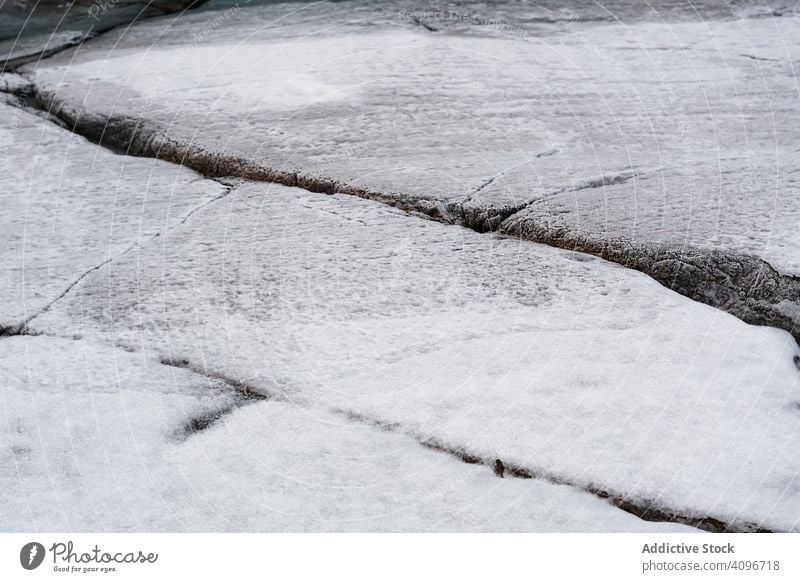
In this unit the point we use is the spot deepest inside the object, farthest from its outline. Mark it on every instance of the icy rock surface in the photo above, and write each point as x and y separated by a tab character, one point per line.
92	440
666	133
31	30
262	358
488	118
69	205
563	364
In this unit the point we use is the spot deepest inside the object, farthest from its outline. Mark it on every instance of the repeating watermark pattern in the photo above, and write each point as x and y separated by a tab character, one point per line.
422	16
100	8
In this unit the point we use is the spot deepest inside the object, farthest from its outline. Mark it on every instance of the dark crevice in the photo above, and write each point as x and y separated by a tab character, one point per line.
243	395
228	185
742	285
16	330
755	58
208	419
501	173
245	391
150	11
641	508
427	27
605	180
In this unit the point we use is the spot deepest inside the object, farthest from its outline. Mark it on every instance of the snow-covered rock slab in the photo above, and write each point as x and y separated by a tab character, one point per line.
555	362
31	30
83	431
69	205
473	121
390	107
743	205
91	440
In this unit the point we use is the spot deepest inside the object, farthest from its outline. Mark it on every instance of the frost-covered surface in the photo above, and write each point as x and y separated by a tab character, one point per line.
480	113
91	441
746	206
34	29
378	335
84	428
68	205
560	363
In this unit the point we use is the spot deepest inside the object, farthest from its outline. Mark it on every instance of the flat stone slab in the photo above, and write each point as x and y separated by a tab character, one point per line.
243	356
31	30
563	365
476	115
69	205
93	439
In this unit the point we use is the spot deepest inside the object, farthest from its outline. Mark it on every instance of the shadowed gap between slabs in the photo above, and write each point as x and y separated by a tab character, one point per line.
243	395
139	138
744	286
643	509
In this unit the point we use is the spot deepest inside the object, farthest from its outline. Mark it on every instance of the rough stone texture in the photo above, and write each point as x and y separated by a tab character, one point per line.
604	128
743	285
547	359
551	125
69	206
32	30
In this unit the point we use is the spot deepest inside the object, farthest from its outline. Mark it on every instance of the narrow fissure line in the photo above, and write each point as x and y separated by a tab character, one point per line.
22	327
720	279
245	391
416	20
643	509
501	173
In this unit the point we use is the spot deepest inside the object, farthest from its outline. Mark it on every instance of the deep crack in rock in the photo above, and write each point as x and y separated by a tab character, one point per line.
205	421
744	286
244	395
643	509
22	327
247	392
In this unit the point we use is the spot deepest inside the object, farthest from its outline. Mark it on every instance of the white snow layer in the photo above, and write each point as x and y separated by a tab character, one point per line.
69	205
395	108
561	364
92	440
555	362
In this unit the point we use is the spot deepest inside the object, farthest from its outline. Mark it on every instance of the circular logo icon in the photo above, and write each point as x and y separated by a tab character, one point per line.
31	555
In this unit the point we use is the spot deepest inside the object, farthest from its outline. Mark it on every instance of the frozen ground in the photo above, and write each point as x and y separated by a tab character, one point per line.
244	356
34	29
637	140
557	363
69	205
93	439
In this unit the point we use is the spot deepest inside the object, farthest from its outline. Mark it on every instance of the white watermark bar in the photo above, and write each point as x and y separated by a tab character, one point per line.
401	557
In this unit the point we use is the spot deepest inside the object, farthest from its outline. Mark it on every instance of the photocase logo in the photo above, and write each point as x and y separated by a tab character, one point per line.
31	555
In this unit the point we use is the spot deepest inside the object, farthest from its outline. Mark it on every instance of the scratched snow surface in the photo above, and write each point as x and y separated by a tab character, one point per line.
557	362
497	116
92	440
68	205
